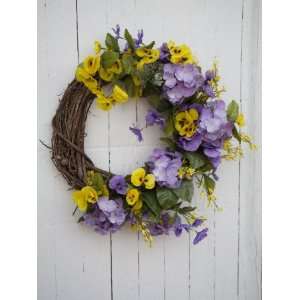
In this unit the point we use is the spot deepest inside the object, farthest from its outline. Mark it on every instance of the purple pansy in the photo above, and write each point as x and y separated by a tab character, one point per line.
153	117
118	184
137	132
181	81
164	165
107	216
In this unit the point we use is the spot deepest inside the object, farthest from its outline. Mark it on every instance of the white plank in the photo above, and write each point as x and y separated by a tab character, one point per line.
250	184
56	30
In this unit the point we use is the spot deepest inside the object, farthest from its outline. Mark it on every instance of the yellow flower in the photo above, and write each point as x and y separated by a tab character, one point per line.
132	196
180	54
119	95
104	103
138	205
185	122
138	176
116	68
149	181
83	76
105	75
240	120
91	64
97	47
86	195
108	74
147	56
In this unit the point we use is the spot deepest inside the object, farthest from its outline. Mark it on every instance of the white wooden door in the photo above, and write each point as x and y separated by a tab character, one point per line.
74	263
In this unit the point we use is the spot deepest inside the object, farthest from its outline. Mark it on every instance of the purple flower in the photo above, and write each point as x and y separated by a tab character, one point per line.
153	117
206	87
118	184
107	216
137	132
164	55
139	40
181	81
164	166
190	144
112	209
116	31
200	236
214	129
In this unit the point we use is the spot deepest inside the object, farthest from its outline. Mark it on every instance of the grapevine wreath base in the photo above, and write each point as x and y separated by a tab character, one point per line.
199	131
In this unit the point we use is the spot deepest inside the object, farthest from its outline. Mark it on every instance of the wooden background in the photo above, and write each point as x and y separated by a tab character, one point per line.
75	263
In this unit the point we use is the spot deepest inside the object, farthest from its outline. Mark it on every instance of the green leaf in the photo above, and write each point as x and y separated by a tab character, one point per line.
170	143
97	181
196	160
232	111
236	134
112	43
129	86
159	104
185	191
169	127
150	199
129	39
150	46
108	58
166	198
209	183
128	64
186	209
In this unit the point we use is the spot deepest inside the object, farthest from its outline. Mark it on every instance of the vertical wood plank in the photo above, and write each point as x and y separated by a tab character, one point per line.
228	40
250	181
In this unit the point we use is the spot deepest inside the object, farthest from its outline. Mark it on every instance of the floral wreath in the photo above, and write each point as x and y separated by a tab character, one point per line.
199	131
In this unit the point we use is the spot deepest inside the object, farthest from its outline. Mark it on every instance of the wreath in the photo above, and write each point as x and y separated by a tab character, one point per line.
199	130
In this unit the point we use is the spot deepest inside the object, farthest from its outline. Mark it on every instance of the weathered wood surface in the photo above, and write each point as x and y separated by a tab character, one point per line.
74	262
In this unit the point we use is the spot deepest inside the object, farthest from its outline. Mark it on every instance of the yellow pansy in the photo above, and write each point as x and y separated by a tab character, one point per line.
180	54
105	75
138	205
91	64
108	74
132	196
240	120
149	181
147	56
138	176
119	95
185	122
116	68
97	47
104	103
81	74
86	195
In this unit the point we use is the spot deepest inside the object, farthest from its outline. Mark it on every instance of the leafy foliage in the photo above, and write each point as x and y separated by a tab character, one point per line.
232	111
